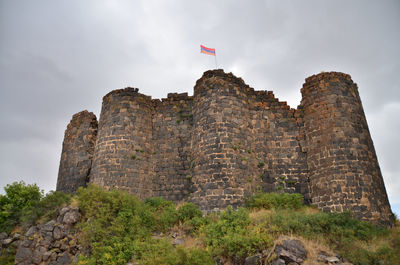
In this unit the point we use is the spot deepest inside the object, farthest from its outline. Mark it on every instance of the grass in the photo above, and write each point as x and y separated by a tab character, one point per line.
117	228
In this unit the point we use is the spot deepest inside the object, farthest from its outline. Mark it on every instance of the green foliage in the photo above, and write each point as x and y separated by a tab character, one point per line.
117	227
260	164
188	211
7	255
336	225
24	204
346	234
19	199
161	251
115	220
46	209
164	212
275	201
230	234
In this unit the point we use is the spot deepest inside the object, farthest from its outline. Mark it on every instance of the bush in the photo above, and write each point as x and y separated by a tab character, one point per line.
160	251
275	201
19	199
347	235
165	213
117	228
231	235
113	222
188	211
47	208
7	255
336	225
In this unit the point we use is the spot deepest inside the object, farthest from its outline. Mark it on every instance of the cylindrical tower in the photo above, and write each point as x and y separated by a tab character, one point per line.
77	152
123	147
220	127
343	169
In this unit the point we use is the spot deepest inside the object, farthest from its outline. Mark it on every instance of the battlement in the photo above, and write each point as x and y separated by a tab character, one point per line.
228	141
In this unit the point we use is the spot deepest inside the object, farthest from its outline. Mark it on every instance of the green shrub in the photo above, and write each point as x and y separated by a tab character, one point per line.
275	201
188	211
113	222
46	209
7	255
18	200
340	230
165	213
161	251
230	235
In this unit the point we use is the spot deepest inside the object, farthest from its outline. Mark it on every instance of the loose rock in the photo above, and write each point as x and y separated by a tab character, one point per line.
291	250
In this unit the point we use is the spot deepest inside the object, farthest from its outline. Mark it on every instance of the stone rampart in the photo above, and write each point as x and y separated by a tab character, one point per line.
77	152
228	141
124	148
343	169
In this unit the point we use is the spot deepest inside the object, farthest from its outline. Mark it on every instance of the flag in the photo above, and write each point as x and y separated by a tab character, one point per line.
206	50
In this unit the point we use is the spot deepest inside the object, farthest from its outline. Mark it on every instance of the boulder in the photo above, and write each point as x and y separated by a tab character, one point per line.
3	235
31	231
71	217
253	260
291	250
6	242
178	241
64	259
38	255
23	254
49	226
57	233
46	255
278	262
16	236
332	260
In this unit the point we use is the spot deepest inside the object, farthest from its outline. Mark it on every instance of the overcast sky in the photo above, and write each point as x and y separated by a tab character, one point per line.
60	57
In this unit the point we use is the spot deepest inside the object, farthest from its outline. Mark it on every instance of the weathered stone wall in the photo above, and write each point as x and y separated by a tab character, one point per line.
228	141
77	152
124	148
343	169
220	126
172	131
244	141
281	161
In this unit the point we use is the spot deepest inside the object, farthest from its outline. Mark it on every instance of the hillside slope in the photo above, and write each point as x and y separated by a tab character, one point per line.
113	227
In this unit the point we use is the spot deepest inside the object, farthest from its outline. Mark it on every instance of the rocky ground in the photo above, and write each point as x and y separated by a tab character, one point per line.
54	242
57	242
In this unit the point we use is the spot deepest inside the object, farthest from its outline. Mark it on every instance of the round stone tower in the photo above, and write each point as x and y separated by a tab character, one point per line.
344	172
220	127
77	152
123	147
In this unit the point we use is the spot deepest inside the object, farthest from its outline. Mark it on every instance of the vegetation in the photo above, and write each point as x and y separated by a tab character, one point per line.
275	201
118	228
24	204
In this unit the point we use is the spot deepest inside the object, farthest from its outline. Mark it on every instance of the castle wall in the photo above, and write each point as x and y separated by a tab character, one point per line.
124	148
343	169
228	142
172	131
281	160
220	127
77	152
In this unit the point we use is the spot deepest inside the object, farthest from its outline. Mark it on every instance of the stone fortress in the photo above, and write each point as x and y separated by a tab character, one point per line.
228	141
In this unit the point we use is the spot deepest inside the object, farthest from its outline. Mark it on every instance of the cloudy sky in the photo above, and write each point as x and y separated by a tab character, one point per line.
60	57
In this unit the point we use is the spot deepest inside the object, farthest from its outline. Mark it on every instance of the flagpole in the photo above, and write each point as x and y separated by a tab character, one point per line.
216	65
